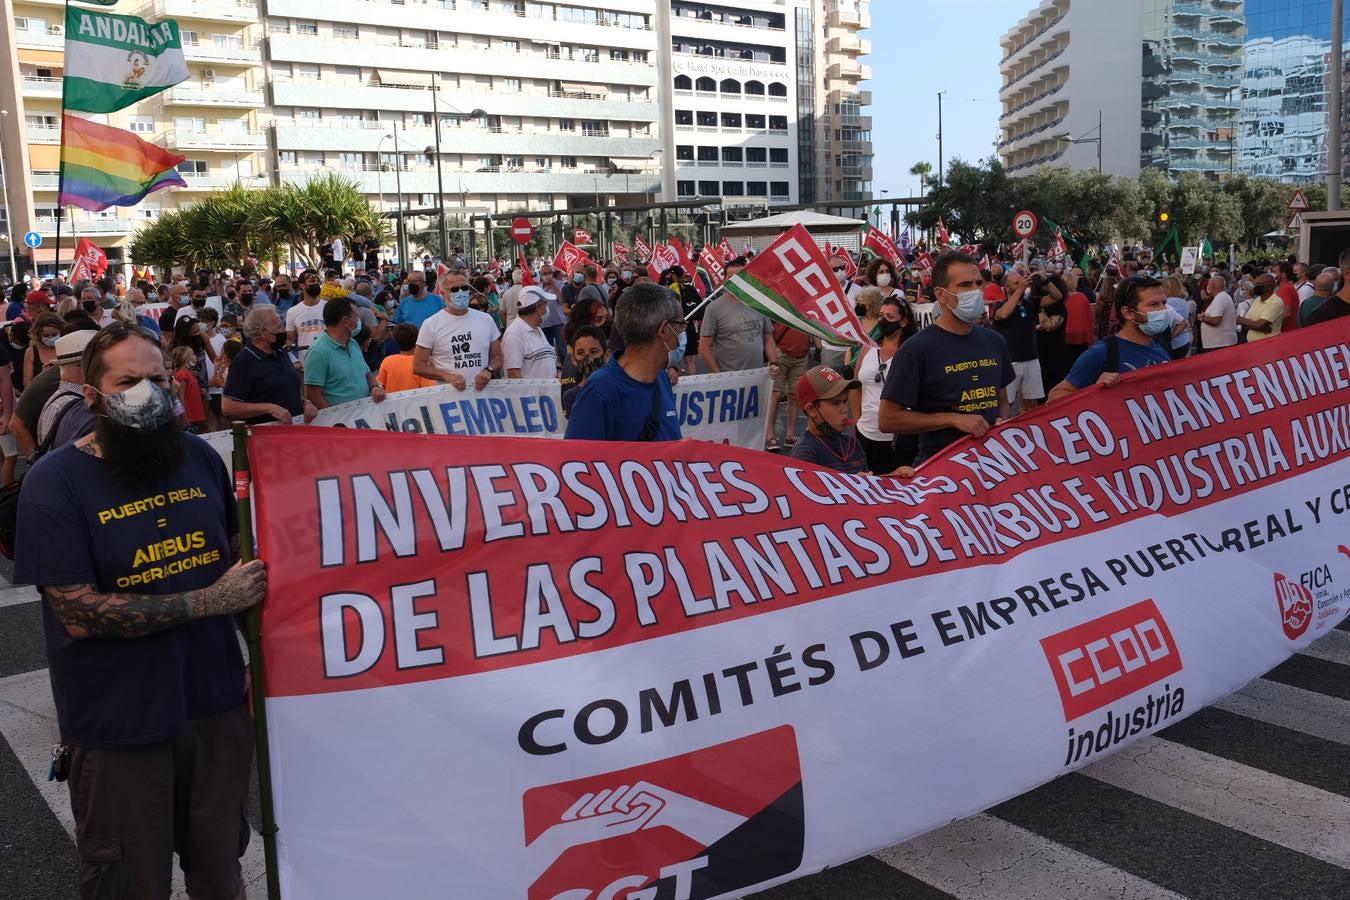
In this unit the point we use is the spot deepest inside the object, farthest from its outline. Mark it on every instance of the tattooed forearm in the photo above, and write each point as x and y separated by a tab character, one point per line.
86	612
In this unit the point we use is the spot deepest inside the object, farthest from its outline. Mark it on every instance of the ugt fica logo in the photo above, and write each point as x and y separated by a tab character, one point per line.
1296	606
714	821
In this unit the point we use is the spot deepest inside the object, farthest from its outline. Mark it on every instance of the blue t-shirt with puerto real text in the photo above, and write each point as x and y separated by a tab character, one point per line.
78	524
1092	362
938	371
614	406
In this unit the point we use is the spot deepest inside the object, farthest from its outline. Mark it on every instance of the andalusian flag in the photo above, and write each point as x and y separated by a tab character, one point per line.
113	61
103	166
781	283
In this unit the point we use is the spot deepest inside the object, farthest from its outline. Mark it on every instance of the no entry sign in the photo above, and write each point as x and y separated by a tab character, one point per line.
521	231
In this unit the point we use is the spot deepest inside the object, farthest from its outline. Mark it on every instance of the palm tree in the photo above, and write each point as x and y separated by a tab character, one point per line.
923	170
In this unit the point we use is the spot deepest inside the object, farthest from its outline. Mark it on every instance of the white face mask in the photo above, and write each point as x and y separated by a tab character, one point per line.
884	279
969	306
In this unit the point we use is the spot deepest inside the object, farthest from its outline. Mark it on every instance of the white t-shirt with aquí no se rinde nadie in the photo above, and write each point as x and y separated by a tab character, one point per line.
459	343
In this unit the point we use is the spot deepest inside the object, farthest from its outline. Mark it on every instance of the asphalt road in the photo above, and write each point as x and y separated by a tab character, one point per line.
1246	800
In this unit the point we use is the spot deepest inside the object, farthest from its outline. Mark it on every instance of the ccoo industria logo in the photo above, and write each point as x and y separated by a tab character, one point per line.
1296	606
714	821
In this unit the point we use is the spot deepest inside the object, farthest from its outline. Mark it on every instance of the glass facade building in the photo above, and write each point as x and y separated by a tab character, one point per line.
1236	86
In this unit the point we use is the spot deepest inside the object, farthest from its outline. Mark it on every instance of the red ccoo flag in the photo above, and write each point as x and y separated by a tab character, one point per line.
582	236
878	243
526	276
850	267
662	258
570	256
687	263
728	252
644	249
791	283
710	263
620	249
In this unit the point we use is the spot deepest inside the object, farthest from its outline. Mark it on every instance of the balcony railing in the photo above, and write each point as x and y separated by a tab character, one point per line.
54	36
182	139
44	134
207	9
47	225
1022	46
41	86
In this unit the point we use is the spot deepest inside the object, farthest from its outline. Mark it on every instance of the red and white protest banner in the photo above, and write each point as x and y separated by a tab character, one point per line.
728	252
878	243
620	251
582	236
642	248
90	262
570	256
709	262
924	261
519	669
791	282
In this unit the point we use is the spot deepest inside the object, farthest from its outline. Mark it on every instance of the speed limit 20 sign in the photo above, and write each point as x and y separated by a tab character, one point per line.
1024	223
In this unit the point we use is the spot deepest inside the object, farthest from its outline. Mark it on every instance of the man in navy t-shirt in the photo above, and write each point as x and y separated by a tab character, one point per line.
130	533
1143	340
630	399
950	379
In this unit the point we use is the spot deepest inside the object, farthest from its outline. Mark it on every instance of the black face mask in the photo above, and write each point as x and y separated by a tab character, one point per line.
278	342
313	289
414	289
859	309
886	327
283	295
89	306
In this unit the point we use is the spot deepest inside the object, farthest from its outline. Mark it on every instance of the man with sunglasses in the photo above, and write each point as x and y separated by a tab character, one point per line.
1141	308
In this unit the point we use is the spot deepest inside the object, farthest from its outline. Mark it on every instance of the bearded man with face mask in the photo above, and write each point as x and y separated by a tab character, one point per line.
1144	339
131	535
951	378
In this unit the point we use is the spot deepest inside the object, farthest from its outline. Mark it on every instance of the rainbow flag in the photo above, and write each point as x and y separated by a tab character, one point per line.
103	166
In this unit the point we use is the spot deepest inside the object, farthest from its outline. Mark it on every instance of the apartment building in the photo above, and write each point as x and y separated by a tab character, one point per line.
538	105
214	118
1215	87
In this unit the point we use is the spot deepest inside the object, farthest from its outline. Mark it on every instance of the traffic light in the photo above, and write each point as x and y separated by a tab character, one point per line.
1163	217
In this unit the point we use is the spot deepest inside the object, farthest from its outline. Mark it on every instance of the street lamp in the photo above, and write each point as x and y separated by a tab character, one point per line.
9	212
440	183
1068	138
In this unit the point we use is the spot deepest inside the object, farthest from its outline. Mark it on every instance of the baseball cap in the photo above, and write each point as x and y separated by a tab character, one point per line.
532	295
41	297
822	383
70	347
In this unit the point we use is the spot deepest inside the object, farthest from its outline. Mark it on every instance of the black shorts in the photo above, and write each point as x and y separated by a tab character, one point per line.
214	401
135	807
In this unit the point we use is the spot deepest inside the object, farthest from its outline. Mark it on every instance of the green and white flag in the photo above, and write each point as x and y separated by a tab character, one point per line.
112	61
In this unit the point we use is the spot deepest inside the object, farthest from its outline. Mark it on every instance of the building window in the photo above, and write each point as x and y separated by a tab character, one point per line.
142	124
731	155
309	115
684	188
733	189
347	32
755	122
684	151
778	155
192	167
286	157
510	46
348	72
568	162
757	189
684	117
707	189
511	84
683	83
307	28
756	155
779	189
708	154
567	125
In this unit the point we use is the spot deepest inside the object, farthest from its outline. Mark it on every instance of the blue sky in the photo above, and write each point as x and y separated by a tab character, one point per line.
918	49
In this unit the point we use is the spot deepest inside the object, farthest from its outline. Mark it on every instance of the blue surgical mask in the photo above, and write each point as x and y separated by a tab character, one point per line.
578	277
1156	323
969	306
459	299
359	326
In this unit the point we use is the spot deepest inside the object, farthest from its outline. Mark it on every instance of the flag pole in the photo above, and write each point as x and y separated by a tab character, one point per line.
61	151
251	622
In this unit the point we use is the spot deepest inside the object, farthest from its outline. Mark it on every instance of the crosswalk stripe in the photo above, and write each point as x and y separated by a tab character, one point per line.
1333	647
1290	707
1292	815
1170	847
1313	674
985	857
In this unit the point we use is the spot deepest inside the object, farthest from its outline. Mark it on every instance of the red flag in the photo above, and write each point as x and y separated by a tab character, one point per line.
879	243
582	236
943	238
687	263
663	257
923	261
711	264
850	267
728	252
570	256
526	276
644	249
90	262
620	250
985	263
441	271
969	249
495	270
1060	248
791	283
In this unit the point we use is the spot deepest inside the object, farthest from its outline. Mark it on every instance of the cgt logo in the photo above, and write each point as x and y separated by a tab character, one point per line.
1296	606
1110	657
714	821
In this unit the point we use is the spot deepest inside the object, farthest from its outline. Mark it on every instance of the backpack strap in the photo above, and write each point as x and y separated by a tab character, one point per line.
653	423
1112	353
49	440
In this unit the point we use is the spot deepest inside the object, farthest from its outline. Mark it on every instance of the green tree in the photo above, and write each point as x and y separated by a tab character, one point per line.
973	201
922	170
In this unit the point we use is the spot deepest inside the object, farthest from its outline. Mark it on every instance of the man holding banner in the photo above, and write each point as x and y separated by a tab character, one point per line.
949	380
631	398
130	534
